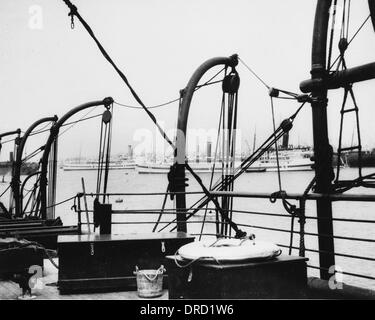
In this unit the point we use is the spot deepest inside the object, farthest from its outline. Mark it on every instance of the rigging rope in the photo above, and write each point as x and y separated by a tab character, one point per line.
104	151
351	39
151	107
213	170
74	12
55	204
41	130
207	83
276	147
332	33
25	243
227	121
7	188
33	154
253	72
73	123
65	124
32	195
162	209
107	159
291	209
344	185
284	127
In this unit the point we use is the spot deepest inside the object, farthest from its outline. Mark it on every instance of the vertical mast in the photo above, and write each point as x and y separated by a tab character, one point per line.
322	149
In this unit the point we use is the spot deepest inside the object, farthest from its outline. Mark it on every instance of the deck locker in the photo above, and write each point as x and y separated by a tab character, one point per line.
283	277
107	262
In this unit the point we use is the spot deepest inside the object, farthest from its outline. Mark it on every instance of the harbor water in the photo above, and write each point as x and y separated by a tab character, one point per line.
129	181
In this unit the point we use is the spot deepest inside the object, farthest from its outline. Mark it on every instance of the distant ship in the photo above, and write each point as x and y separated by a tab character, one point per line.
368	159
26	168
5	167
290	159
164	167
93	165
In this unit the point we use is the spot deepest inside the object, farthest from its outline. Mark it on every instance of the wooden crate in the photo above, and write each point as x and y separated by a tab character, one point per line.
107	262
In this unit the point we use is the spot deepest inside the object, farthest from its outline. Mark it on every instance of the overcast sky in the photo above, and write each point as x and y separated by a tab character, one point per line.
46	68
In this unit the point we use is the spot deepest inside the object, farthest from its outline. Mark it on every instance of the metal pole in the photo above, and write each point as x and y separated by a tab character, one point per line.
79	216
85	203
322	148
340	79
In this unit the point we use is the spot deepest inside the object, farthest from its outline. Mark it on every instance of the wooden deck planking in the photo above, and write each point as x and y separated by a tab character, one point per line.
10	290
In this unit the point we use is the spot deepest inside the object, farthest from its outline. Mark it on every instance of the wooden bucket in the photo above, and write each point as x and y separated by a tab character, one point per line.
149	282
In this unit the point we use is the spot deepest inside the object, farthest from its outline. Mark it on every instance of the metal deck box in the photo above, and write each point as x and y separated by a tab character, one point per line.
282	277
107	262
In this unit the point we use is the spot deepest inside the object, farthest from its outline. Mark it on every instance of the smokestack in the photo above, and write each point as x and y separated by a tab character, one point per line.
11	156
130	151
209	146
197	151
285	141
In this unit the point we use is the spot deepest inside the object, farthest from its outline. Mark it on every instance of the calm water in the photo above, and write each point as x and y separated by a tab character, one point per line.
69	183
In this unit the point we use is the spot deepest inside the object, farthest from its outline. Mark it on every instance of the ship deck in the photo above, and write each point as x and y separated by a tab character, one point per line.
10	290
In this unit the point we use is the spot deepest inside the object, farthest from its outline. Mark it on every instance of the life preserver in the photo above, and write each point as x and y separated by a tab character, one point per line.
229	250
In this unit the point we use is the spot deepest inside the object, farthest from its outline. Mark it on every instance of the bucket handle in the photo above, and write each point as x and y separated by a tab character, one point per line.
161	270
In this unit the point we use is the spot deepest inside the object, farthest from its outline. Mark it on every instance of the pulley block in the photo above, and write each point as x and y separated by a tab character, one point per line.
107	115
231	83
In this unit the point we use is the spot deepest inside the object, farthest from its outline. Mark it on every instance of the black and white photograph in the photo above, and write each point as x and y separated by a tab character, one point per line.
187	150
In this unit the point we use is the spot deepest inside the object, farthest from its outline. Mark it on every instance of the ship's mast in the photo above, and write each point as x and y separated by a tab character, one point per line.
322	148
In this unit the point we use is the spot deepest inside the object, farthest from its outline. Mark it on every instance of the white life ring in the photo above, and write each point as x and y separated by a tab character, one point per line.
229	250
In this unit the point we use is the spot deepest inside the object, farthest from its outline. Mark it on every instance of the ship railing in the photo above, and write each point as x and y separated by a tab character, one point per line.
171	212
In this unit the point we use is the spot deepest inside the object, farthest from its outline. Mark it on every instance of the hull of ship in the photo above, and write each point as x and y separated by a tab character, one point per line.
26	168
290	165
5	167
91	168
144	169
4	171
303	167
368	160
165	170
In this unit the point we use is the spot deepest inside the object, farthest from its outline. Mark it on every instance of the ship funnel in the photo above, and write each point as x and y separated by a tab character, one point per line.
285	143
130	151
209	147
197	151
